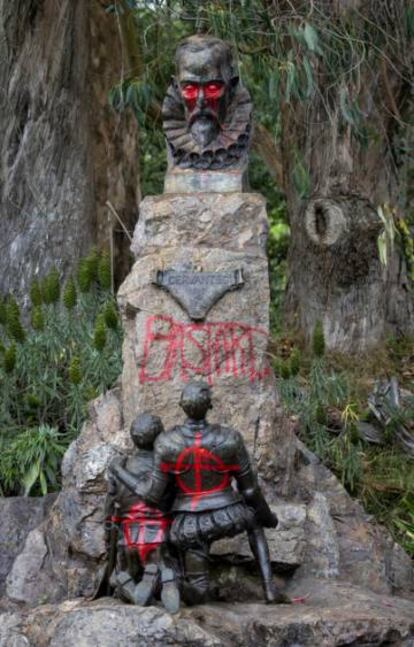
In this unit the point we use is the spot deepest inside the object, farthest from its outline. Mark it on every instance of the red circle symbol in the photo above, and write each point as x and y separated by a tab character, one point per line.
200	460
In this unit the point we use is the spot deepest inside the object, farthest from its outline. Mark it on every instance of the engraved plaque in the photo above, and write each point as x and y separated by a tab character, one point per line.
197	292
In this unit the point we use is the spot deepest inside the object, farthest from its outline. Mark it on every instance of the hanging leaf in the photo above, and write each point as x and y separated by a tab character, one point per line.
31	477
43	483
311	38
409	21
345	108
382	248
274	84
309	77
301	178
290	80
385	241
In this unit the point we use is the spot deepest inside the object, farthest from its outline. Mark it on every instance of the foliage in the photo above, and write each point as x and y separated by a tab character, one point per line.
153	160
49	371
318	340
387	492
278	236
287	53
31	458
329	399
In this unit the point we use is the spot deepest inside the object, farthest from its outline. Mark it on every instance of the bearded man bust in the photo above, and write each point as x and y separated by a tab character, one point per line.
207	112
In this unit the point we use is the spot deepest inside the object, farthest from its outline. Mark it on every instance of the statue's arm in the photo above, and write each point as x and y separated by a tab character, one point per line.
150	490
110	509
124	476
250	489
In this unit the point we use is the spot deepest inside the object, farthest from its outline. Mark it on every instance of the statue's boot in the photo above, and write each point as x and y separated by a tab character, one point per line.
125	586
196	581
260	549
148	585
273	595
170	594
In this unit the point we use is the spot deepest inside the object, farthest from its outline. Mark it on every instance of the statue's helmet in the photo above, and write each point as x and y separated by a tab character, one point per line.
196	400
145	429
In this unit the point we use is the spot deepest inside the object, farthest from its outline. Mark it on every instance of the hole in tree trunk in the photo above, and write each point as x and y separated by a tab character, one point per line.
321	224
324	222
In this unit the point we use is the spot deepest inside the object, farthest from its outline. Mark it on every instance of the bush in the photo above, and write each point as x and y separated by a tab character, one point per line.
380	476
49	371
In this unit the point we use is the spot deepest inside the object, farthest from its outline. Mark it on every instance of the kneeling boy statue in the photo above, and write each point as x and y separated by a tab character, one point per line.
141	565
200	462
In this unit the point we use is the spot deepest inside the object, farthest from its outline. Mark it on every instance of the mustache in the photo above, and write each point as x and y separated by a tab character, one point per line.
204	113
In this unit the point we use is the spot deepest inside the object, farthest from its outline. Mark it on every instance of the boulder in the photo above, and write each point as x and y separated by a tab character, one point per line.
330	615
19	515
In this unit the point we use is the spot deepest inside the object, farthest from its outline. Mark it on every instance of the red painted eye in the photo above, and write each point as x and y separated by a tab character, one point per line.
213	90
189	91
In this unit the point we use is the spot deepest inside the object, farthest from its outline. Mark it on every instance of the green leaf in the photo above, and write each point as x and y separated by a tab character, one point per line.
311	38
409	22
43	483
30	478
382	248
301	178
273	83
345	108
309	77
290	80
386	239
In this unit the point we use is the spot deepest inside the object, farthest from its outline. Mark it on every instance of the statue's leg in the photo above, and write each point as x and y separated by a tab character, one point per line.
158	573
260	550
121	579
120	565
125	584
196	575
170	592
147	587
133	564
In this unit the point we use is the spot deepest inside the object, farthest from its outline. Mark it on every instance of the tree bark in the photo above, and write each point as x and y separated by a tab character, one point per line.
334	269
114	137
63	152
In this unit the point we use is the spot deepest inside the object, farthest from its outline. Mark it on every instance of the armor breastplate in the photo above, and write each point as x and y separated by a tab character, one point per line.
203	471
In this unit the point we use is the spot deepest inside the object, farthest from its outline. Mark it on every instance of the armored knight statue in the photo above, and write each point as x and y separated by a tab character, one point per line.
203	461
206	113
140	561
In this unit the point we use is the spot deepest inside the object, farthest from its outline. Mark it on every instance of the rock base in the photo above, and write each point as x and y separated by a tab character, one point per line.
332	615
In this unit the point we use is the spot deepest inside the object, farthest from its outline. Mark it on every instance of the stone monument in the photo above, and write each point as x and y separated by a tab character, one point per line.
196	306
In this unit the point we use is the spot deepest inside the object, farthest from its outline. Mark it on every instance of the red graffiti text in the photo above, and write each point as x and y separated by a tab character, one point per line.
205	349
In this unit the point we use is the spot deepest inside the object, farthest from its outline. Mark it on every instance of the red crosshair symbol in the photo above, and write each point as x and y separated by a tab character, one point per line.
200	460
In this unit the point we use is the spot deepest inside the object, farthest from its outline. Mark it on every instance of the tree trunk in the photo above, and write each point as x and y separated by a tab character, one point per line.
114	137
335	185
63	152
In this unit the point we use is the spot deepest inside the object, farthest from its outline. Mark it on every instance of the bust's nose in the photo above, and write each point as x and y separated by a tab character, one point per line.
200	103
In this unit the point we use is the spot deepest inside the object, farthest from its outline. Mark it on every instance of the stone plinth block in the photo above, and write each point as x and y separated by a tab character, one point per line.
233	221
192	181
164	347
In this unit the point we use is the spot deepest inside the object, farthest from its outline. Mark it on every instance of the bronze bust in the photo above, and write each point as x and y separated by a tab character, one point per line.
206	113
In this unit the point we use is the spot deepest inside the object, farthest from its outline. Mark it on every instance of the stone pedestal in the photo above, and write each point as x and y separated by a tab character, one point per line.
164	347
